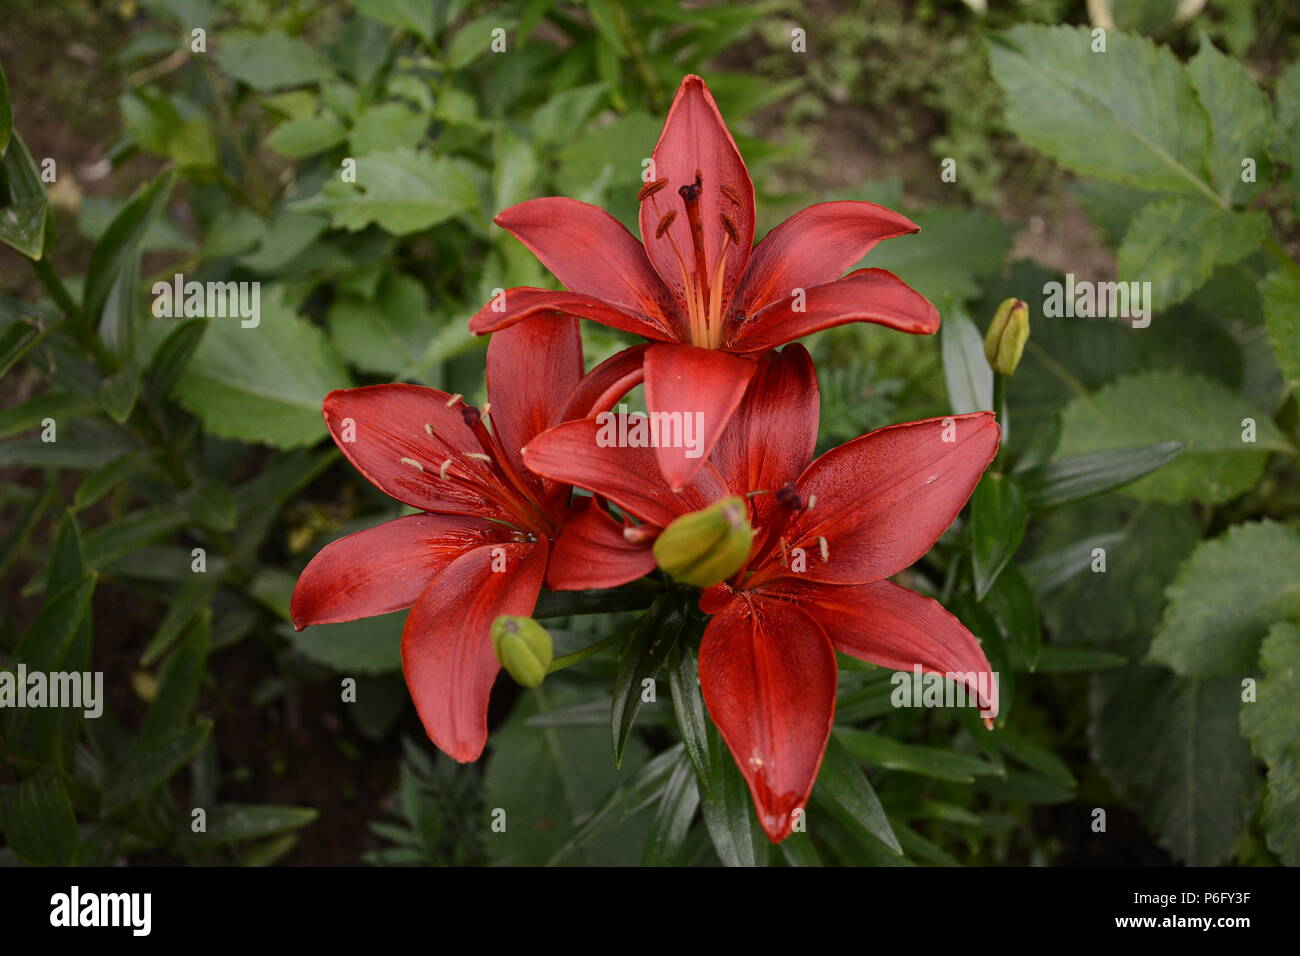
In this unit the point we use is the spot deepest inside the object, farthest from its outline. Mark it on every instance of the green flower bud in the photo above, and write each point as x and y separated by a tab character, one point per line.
1007	335
523	647
706	546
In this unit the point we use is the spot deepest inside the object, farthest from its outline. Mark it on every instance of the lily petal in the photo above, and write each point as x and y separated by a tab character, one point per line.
604	385
384	568
772	435
591	551
882	500
868	295
698	388
890	626
532	367
768	673
381	430
586	453
814	246
591	252
447	655
695	140
515	305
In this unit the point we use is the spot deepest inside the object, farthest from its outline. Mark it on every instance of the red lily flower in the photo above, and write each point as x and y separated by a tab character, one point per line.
696	286
828	533
482	542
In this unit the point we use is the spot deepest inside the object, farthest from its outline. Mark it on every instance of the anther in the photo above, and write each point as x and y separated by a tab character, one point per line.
479	456
649	189
428	429
442	472
730	227
412	462
788	497
452	400
731	194
664	223
471	416
824	548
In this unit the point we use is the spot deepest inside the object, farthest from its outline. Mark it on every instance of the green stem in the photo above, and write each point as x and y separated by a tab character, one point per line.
568	660
76	318
1000	410
1274	249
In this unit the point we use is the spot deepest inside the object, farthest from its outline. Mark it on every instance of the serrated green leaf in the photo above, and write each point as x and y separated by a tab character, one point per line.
1226	596
1241	123
306	136
1270	720
413	16
1281	294
1215	466
270	61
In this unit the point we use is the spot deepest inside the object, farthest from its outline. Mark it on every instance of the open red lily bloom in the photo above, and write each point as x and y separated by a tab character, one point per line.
828	533
480	546
696	285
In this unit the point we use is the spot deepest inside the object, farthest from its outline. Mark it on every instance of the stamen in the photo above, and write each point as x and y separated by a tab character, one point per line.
812	502
649	189
469	414
731	194
730	227
442	472
413	463
664	223
478	455
428	429
825	548
454	399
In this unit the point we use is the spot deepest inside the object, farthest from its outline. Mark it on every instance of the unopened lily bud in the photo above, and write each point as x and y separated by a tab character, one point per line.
1007	335
523	647
706	546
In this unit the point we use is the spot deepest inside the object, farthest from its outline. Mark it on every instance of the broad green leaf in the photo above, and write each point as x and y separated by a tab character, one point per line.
23	209
640	659
966	371
473	39
287	237
1086	476
1129	114
401	191
841	781
263	383
936	762
150	764
563	114
386	127
39	825
1225	598
541	781
413	16
1215	466
270	61
1173	745
955	249
387	334
998	518
1270	721
515	169
1281	292
1288	122
1241	123
1175	244
240	822
371	645
306	136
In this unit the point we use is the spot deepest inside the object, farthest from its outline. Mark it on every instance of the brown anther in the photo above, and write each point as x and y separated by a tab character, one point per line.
691	192
664	223
788	497
730	227
731	194
650	188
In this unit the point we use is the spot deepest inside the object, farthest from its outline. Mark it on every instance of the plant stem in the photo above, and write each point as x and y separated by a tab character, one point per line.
1274	249
568	660
68	306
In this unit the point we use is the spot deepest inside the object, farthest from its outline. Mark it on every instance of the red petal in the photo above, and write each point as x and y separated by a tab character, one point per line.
773	433
696	140
814	246
532	367
516	304
585	453
591	252
893	627
447	653
591	551
868	295
604	385
379	425
767	672
883	499
701	388
384	568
